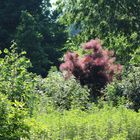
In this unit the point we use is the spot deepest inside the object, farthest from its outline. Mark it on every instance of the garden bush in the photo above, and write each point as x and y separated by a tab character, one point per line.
16	82
95	69
128	88
65	94
12	115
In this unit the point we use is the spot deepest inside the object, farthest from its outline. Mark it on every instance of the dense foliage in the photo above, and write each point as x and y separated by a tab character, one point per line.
96	93
10	12
36	36
107	123
66	94
34	28
112	21
128	88
16	81
12	115
95	69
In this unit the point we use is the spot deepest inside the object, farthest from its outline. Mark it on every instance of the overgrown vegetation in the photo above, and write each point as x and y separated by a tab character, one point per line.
12	115
107	123
96	93
128	88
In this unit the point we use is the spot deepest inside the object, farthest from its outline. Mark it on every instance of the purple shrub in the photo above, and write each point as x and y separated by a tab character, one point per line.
94	70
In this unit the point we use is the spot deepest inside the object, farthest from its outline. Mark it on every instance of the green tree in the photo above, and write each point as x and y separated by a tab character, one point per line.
16	82
42	39
104	19
29	38
34	27
10	12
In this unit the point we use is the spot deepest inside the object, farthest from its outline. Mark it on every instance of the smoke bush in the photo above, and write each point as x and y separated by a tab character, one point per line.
95	69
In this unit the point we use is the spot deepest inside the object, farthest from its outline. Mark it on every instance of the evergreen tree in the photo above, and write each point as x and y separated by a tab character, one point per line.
33	26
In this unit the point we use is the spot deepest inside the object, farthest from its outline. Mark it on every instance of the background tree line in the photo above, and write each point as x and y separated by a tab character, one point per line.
32	25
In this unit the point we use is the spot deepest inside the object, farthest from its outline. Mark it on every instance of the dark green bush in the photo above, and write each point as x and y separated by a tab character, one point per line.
128	88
